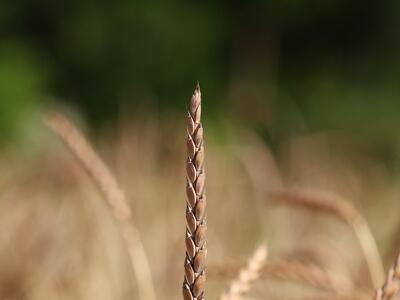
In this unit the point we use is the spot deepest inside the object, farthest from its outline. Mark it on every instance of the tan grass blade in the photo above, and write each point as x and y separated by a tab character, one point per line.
196	227
114	195
247	276
335	205
391	287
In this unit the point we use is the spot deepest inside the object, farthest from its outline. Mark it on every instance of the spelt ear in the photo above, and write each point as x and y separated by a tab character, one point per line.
195	269
112	193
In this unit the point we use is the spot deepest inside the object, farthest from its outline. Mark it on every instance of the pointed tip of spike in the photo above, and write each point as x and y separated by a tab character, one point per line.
195	103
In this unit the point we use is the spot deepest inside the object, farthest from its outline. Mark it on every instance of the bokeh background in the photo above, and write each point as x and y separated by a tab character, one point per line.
280	66
296	93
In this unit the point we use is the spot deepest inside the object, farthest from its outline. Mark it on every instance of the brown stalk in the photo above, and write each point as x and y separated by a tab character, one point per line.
113	194
247	275
336	206
391	287
195	269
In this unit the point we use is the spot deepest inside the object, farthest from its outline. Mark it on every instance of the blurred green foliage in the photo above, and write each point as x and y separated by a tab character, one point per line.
22	87
281	66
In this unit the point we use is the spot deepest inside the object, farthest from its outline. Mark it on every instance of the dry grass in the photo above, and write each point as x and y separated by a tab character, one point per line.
58	242
107	184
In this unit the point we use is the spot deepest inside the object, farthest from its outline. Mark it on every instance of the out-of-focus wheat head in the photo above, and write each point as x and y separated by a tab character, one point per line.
107	184
247	275
303	273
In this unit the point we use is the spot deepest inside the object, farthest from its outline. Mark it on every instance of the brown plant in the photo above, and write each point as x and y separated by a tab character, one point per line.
195	272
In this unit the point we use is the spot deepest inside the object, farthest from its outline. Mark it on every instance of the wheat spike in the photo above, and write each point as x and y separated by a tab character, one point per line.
113	194
196	227
247	276
335	205
391	287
